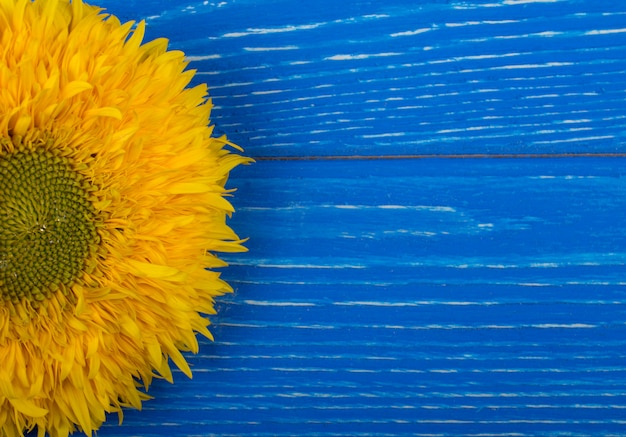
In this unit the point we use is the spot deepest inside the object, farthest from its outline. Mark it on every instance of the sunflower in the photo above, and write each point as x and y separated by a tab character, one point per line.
111	210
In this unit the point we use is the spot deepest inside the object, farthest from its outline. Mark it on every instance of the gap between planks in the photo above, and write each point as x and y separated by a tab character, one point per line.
440	156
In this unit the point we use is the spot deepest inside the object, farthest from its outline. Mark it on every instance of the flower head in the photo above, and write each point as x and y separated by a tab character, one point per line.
111	209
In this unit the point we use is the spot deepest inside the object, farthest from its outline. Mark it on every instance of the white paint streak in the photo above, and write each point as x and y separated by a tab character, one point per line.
477	23
578	139
203	57
564	326
412	32
301	266
262	93
361	56
605	31
432	208
270	49
272	30
413	304
384	135
528	66
522	2
267	303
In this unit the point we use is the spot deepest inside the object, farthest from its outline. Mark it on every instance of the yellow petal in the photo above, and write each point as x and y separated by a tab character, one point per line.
107	111
27	407
155	271
130	328
79	406
22	125
180	362
188	188
76	87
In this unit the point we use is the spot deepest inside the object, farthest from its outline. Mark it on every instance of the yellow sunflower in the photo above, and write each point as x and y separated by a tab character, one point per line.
111	208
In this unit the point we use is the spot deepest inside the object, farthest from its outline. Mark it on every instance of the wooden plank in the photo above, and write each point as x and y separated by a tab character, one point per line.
418	297
405	77
452	297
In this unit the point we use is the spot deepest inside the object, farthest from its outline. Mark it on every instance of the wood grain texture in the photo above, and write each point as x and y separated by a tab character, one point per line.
445	296
398	77
434	297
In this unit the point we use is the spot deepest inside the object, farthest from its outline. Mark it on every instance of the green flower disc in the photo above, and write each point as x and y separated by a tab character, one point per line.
47	224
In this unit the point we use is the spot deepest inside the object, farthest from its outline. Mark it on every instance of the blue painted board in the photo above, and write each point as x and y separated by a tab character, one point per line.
405	77
415	297
386	297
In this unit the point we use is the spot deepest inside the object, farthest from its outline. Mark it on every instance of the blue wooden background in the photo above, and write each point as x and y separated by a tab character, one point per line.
436	218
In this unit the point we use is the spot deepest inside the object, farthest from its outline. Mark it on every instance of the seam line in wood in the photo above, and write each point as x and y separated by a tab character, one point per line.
442	156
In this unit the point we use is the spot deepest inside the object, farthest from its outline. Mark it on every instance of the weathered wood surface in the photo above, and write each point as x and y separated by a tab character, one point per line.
423	297
450	296
405	77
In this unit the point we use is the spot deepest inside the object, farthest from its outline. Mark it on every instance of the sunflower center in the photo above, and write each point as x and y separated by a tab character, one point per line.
46	224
